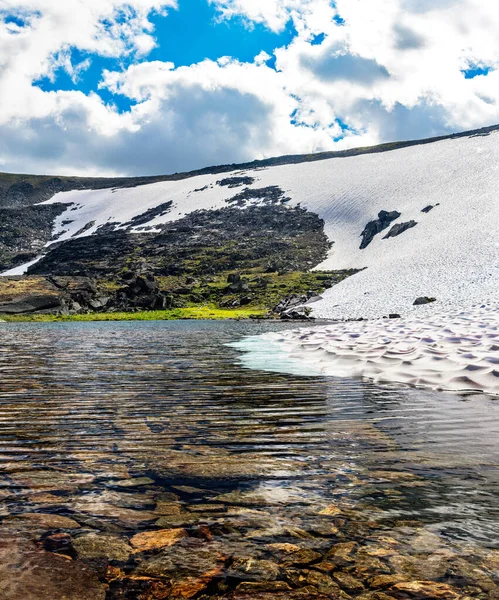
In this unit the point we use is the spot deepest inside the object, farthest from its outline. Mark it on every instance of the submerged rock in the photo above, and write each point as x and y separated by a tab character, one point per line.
42	521
28	573
250	569
153	540
101	545
425	589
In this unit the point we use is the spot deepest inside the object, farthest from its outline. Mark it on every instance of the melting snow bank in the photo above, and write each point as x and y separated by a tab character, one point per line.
451	351
21	269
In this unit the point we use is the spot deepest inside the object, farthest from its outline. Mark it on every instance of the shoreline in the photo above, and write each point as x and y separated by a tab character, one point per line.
177	314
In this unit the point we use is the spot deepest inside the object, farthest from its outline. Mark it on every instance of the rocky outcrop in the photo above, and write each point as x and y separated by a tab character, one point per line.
269	195
374	227
141	291
233	182
423	300
152	213
202	243
399	228
31	304
64	295
24	232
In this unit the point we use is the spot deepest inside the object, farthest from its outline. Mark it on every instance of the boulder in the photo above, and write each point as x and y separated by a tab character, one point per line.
31	303
423	300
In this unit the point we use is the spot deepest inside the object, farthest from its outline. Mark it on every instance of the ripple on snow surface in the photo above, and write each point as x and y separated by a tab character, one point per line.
445	351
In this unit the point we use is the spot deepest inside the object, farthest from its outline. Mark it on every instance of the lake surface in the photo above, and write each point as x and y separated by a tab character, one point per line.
144	460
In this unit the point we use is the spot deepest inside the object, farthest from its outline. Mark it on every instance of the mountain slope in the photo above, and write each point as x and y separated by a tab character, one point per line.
426	214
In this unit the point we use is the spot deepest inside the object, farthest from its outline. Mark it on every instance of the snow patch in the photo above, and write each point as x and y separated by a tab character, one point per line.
452	253
448	351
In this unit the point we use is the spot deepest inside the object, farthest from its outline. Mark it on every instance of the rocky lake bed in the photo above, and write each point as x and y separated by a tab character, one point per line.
194	477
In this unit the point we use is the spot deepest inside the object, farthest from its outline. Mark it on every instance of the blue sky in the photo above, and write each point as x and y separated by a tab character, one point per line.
133	87
185	36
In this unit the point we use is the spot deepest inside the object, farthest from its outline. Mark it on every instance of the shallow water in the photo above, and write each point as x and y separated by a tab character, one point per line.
118	425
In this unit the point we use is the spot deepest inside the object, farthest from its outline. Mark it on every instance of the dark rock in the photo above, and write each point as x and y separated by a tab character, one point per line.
269	195
30	304
152	213
98	303
302	313
25	231
201	244
233	182
423	300
399	228
374	227
394	316
427	209
58	542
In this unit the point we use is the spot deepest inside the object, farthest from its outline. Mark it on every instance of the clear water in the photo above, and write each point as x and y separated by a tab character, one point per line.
85	407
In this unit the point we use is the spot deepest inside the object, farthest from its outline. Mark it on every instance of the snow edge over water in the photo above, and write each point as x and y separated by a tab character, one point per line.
454	351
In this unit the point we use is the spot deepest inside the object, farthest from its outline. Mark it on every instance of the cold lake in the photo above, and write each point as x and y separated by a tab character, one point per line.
152	460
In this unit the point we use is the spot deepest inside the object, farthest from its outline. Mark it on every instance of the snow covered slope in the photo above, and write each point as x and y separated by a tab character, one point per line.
452	253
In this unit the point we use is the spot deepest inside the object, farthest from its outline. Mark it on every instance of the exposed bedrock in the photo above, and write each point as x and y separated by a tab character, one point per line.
269	237
399	228
24	232
23	295
233	182
374	227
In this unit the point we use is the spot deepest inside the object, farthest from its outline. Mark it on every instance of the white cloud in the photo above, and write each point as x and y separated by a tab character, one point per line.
389	69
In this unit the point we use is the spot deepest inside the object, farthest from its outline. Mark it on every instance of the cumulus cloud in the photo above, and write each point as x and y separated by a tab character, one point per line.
357	72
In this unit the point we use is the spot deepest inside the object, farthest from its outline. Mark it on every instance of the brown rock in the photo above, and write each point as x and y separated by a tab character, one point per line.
286	548
191	586
44	521
167	508
248	587
385	581
374	596
323	583
424	589
153	540
206	508
330	511
178	520
47	499
131	483
28	573
302	557
189	555
367	566
342	554
420	568
325	566
348	582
